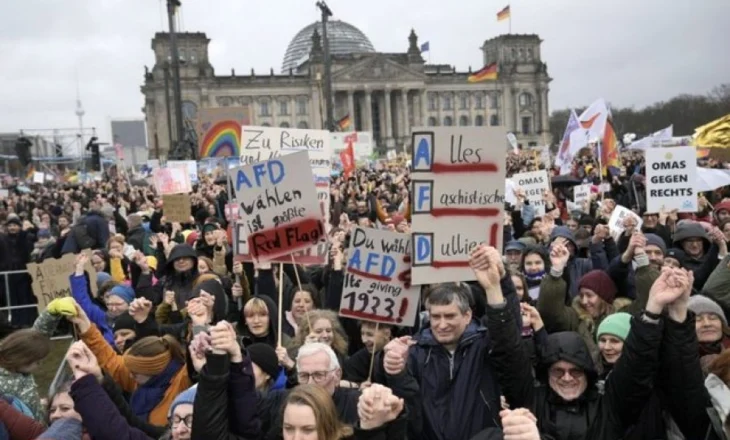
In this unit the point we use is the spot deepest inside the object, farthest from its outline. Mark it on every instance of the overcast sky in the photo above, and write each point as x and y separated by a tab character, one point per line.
631	52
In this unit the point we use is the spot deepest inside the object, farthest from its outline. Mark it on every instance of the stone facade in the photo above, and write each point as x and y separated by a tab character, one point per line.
385	93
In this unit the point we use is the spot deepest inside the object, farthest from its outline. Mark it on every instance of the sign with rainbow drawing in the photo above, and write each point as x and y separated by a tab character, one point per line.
219	131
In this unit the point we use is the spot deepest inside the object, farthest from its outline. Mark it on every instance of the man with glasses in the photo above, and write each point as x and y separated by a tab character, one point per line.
316	364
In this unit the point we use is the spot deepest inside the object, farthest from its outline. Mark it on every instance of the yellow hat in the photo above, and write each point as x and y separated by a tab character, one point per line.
152	262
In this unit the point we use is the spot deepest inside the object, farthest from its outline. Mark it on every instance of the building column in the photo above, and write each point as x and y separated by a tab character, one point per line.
470	97
274	109
406	130
293	111
454	109
544	108
368	110
254	110
388	118
516	106
351	108
423	107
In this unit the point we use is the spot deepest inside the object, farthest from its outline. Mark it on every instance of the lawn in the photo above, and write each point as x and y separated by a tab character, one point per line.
47	370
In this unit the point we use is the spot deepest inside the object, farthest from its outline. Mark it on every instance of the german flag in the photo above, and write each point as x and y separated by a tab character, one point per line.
344	123
487	73
503	14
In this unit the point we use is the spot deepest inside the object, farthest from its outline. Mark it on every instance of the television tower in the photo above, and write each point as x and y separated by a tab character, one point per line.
80	114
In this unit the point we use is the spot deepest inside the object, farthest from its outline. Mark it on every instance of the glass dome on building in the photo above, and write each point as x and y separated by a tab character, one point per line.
344	38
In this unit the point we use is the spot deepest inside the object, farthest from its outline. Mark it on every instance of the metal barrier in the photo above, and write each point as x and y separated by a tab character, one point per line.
9	309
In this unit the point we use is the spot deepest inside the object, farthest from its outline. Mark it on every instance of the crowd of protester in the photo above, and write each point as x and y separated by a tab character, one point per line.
571	332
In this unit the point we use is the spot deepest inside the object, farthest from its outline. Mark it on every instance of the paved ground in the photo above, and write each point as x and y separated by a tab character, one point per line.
47	371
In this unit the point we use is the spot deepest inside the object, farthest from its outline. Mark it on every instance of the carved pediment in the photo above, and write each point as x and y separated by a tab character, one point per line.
377	68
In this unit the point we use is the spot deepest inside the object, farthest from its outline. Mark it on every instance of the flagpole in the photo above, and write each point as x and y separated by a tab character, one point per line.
510	18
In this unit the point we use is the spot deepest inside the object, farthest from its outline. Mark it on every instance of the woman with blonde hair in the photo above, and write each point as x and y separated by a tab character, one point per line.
118	262
152	369
324	326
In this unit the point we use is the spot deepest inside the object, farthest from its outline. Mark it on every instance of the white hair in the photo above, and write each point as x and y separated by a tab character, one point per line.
313	348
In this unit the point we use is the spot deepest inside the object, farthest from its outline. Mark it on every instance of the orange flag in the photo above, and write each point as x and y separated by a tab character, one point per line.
347	156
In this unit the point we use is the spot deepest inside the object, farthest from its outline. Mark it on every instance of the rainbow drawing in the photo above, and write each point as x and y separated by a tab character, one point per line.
223	139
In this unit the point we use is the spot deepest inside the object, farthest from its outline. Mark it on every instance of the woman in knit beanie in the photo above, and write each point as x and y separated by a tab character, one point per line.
610	336
152	369
710	325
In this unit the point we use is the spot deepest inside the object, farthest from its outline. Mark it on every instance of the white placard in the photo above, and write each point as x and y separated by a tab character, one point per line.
457	199
534	183
171	181
264	143
581	193
279	201
362	143
38	177
377	281
616	221
671	178
190	167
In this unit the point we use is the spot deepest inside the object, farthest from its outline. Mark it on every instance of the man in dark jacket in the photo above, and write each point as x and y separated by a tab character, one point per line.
136	236
94	224
15	250
701	253
462	366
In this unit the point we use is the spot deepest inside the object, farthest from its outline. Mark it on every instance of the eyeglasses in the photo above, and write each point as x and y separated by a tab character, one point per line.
317	376
559	373
187	421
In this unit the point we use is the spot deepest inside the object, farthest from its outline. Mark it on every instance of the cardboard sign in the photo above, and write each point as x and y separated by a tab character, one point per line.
457	199
50	278
176	208
279	201
535	184
171	181
190	167
671	175
582	193
377	280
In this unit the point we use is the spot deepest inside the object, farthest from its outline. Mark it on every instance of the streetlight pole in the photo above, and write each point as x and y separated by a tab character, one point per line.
175	58
328	97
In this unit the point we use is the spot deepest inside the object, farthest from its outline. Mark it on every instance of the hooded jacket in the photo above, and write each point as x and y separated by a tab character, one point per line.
180	283
271	337
97	226
703	266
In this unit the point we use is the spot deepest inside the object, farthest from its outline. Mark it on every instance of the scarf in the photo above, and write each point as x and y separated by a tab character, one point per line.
534	279
149	395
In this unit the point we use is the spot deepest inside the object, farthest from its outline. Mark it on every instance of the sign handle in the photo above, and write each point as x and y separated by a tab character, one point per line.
299	285
281	301
372	356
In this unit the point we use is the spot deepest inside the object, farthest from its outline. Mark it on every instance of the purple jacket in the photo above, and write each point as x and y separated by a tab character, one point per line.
101	418
79	290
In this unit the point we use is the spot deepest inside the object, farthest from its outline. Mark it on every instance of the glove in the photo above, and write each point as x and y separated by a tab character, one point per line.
62	306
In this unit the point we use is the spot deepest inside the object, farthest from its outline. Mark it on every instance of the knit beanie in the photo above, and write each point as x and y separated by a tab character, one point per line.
657	241
124	322
600	283
187	396
124	292
62	429
702	304
147	365
677	254
102	278
265	357
617	325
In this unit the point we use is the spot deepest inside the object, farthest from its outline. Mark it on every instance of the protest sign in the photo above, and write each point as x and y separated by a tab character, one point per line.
171	180
671	174
279	203
581	193
190	167
616	222
535	184
377	280
451	212
264	143
176	208
51	278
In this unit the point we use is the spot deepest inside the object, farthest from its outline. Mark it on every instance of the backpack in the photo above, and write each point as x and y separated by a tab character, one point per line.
81	235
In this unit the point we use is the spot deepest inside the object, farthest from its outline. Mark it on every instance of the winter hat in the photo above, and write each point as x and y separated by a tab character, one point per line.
657	241
586	220
134	221
515	245
187	396
265	357
702	304
124	322
600	283
151	262
210	227
124	292
102	278
191	238
63	429
14	220
617	324
677	254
